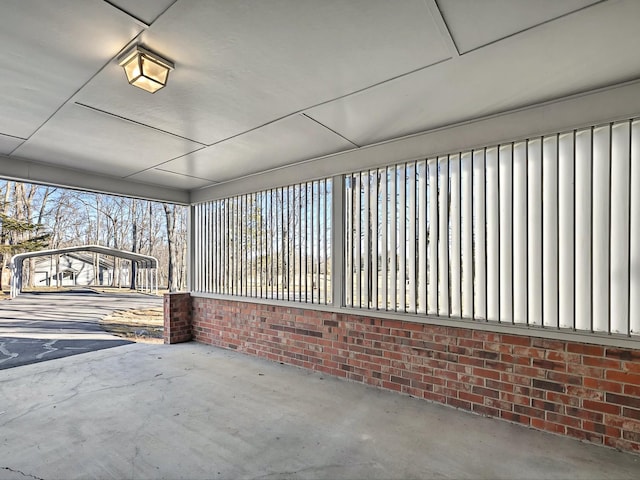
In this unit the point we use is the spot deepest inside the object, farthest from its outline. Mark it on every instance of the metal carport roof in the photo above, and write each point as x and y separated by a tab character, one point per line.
16	261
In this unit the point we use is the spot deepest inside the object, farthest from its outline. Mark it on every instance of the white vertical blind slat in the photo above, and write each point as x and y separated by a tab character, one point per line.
393	235
422	236
467	234
402	238
634	221
620	228
493	233
601	227
582	244
550	231
432	297
455	234
566	222
479	236
443	236
505	169
534	230
411	237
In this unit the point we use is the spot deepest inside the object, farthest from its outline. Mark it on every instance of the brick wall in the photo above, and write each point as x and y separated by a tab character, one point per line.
177	317
585	391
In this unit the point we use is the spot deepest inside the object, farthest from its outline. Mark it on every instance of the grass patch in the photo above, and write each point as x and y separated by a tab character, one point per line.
144	325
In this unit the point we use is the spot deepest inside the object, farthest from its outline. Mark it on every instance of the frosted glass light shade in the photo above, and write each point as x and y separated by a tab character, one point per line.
144	69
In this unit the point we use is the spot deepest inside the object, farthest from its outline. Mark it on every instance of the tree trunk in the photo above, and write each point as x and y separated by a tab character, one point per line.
170	215
4	208
134	243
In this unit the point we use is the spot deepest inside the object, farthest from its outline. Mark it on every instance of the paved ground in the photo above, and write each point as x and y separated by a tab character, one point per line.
35	327
197	412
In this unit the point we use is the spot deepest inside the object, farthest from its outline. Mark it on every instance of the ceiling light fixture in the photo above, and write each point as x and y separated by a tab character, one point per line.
145	69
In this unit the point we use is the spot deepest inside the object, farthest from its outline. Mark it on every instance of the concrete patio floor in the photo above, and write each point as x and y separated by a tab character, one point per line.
193	411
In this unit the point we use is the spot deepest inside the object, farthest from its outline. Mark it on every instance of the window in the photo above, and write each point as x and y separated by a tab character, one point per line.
274	244
544	231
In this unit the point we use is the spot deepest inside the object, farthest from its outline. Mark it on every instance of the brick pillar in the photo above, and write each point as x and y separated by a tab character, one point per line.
177	317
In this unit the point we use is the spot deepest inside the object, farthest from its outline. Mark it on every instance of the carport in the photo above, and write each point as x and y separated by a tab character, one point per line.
146	272
435	198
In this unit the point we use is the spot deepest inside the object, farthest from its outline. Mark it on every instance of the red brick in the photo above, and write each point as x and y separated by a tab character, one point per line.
478	362
601	407
516	340
547	344
546	406
601	362
632	436
631	413
455	402
602	385
515	399
515	379
529	352
584	349
547	426
622	377
585	393
486	411
507	358
563	399
486	336
470	397
584	414
585	370
633	367
529	411
586	436
434	397
633	402
496	385
622	444
528	371
483	372
623	354
564	420
515	417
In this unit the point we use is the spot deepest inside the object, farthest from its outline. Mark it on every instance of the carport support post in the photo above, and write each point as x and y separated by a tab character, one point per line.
177	317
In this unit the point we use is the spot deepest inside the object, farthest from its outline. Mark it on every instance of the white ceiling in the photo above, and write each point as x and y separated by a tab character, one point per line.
262	84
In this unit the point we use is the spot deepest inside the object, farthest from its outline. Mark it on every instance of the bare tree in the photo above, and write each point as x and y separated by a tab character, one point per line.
170	215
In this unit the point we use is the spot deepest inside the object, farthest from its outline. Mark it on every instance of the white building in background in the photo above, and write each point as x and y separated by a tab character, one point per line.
78	268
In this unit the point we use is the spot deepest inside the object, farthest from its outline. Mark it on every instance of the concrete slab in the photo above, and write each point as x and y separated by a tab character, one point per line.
193	411
35	327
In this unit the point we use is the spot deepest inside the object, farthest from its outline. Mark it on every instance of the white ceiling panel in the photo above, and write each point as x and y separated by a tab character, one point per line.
49	49
589	49
156	176
145	10
281	143
247	71
474	23
242	64
83	139
8	143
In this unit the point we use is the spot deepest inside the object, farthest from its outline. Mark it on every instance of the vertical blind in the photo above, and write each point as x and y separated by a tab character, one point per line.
541	232
274	244
544	231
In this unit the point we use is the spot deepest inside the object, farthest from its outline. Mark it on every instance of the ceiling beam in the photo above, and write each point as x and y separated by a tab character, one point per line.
12	168
447	38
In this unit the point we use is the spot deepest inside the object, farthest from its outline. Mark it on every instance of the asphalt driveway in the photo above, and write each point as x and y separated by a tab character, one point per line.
35	327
